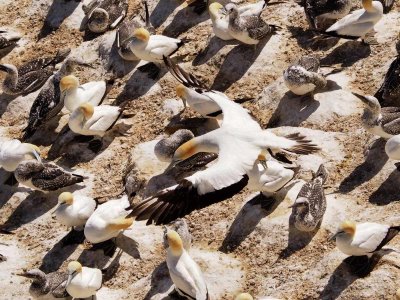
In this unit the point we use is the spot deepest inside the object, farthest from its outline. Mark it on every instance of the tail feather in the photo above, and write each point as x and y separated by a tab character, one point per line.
274	28
303	145
78	178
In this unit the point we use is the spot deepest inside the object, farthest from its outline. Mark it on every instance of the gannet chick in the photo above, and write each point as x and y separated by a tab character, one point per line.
357	24
317	10
13	152
44	177
303	76
270	177
30	76
105	14
392	147
310	205
247	29
238	142
90	120
389	92
185	273
48	103
153	47
83	282
8	42
191	91
125	31
181	227
74	210
244	296
165	148
383	122
73	94
108	221
46	285
364	238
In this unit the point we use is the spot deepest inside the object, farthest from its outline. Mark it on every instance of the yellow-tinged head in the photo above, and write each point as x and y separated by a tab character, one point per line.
69	82
87	110
244	296
142	34
66	198
174	242
348	227
367	4
180	90
74	267
185	151
214	8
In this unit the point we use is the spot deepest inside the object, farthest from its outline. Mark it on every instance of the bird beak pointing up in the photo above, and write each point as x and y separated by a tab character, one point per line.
361	97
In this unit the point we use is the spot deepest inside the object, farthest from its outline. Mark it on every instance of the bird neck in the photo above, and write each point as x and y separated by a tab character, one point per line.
175	251
233	15
367	4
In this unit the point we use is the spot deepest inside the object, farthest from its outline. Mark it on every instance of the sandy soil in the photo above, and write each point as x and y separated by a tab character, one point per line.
239	245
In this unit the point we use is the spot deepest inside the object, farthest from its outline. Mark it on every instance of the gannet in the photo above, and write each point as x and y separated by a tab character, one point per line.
310	205
383	122
44	176
239	142
74	210
8	41
73	94
30	76
247	29
94	120
357	24
303	76
191	91
364	238
182	229
125	31
104	14
48	103
165	148
185	273
13	152
317	10
389	92
392	147
108	221
46	285
244	296
83	282
153	47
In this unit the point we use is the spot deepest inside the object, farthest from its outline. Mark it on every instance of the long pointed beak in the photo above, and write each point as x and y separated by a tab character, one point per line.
37	156
3	68
70	278
291	206
333	236
22	275
361	97
55	209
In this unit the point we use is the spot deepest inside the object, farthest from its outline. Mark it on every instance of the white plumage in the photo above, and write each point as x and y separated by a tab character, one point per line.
13	152
108	220
74	210
392	147
74	94
89	120
359	22
83	282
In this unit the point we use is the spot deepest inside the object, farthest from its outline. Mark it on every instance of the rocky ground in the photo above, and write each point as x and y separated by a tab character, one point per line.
239	245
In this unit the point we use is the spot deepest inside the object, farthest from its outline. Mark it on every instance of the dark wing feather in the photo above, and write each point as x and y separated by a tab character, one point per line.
169	205
32	81
390	87
257	27
392	232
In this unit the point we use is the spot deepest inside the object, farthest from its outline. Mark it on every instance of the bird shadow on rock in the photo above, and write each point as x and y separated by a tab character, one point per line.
350	269
237	62
304	39
138	85
214	45
110	271
32	207
128	245
61	251
160	281
184	20
99	255
5	100
373	163
247	219
7	50
197	125
46	134
161	12
57	13
117	64
297	239
347	54
388	190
